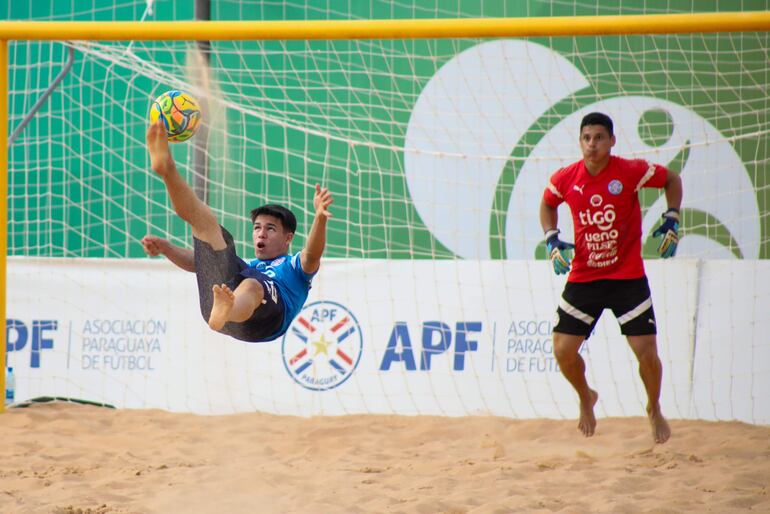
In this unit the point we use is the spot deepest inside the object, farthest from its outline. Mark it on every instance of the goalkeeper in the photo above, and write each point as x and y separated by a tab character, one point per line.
251	302
602	192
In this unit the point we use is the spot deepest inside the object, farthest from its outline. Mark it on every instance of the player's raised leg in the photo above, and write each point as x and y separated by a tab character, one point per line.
186	204
236	305
651	370
566	347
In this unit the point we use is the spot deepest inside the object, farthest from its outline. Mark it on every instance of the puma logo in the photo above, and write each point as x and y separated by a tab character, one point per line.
578	189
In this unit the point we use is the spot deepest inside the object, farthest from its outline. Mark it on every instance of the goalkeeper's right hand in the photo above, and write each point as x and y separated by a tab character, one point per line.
559	252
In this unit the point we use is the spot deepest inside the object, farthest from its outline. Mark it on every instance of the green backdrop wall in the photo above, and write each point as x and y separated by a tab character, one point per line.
78	189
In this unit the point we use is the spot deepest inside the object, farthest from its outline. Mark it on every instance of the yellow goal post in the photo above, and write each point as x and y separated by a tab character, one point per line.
333	30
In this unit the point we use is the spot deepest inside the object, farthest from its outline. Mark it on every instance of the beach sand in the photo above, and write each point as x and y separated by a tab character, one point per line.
70	458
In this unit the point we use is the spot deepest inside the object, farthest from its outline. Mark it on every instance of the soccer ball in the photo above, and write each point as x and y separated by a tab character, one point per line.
179	112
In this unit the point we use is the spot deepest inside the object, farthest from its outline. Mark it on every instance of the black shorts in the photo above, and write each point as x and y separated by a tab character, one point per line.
217	267
582	303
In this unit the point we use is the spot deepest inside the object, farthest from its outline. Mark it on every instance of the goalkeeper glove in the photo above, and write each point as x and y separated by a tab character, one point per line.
669	229
559	252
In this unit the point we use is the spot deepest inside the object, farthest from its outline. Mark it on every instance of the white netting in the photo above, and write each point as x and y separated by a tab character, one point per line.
437	152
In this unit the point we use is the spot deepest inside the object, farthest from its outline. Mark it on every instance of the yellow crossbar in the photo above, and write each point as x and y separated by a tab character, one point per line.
753	21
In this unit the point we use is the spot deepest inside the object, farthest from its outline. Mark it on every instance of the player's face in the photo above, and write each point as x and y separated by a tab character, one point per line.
270	238
595	143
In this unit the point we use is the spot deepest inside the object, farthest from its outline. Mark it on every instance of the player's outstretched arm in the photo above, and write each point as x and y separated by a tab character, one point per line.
182	257
310	257
673	189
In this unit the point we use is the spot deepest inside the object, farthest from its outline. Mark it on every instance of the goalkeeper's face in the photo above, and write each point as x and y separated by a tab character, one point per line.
596	143
271	239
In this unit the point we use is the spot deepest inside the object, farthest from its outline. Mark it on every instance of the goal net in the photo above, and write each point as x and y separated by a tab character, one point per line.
434	296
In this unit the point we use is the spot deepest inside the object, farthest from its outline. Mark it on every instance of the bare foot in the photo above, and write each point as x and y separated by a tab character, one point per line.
587	422
157	143
660	429
223	304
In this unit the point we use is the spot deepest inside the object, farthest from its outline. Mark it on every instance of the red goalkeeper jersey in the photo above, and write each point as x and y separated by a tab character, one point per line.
606	215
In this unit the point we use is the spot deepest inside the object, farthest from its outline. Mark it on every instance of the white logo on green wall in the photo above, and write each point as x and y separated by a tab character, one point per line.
480	105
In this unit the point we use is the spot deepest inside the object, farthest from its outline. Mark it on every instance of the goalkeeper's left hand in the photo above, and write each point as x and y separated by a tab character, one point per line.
669	229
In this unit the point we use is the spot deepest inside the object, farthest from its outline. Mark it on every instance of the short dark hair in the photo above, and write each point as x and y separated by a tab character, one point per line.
288	220
597	118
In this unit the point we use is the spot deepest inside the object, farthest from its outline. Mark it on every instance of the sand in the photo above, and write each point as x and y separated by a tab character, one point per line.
71	458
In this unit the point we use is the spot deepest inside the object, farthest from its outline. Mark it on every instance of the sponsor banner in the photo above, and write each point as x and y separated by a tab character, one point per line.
405	337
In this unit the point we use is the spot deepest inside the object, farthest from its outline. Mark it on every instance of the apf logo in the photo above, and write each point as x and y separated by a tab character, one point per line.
39	333
323	346
459	179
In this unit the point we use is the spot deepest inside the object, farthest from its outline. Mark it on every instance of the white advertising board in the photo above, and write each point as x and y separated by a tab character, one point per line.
402	337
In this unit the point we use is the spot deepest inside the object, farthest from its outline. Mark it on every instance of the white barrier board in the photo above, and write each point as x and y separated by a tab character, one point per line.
405	337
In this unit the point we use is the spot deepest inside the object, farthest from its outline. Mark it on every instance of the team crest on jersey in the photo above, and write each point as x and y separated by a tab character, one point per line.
323	346
615	187
278	261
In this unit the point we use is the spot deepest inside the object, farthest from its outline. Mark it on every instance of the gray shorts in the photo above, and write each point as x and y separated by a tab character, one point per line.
216	267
